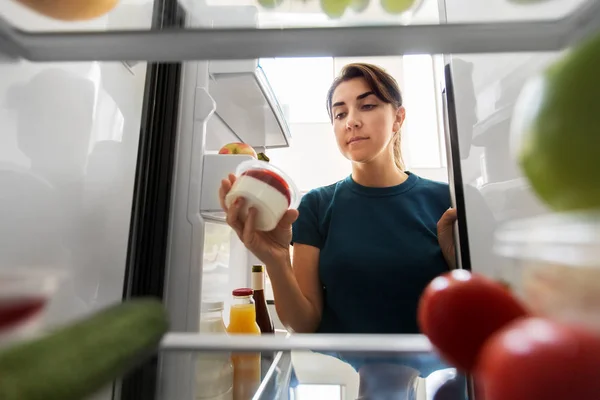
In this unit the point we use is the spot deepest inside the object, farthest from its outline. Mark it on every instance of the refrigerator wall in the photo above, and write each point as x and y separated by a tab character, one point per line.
480	95
68	152
68	149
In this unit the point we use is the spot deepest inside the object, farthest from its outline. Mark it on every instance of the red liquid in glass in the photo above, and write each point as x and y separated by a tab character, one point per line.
17	310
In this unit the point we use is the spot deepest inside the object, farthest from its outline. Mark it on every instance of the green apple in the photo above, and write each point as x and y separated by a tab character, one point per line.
556	130
334	8
397	6
359	5
270	3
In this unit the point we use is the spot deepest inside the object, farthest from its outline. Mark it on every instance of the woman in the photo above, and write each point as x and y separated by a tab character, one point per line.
364	247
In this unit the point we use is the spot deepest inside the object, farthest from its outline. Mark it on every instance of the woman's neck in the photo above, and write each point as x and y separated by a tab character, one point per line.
375	174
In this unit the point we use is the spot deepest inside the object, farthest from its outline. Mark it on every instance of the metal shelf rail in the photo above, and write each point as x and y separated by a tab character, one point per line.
356	343
223	44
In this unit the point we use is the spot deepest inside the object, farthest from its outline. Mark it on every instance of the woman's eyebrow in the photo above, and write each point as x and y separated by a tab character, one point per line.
359	97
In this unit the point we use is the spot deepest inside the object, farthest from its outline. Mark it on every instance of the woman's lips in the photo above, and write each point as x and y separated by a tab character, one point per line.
357	139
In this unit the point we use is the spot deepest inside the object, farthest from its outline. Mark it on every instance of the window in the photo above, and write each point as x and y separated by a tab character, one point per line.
421	138
313	159
301	86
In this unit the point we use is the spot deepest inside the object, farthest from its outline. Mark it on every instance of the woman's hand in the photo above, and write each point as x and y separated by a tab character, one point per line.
446	236
270	247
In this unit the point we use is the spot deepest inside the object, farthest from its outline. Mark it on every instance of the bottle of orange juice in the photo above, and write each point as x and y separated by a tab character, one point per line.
246	366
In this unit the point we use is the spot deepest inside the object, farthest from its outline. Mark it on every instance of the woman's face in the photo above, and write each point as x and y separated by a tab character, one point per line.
364	125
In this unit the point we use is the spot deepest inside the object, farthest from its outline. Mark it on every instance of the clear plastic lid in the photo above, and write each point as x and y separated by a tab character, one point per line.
275	172
571	238
28	282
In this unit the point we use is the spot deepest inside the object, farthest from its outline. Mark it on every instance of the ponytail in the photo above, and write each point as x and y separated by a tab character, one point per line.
397	151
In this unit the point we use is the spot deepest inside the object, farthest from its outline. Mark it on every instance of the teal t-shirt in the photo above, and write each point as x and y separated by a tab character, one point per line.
378	251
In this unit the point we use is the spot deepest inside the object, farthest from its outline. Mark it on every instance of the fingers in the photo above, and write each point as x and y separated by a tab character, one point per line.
450	214
223	190
447	219
288	218
248	232
226	185
233	219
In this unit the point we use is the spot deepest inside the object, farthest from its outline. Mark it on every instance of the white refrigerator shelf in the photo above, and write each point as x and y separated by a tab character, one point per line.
342	41
355	343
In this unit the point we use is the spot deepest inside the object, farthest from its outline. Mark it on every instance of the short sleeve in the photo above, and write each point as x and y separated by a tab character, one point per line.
306	228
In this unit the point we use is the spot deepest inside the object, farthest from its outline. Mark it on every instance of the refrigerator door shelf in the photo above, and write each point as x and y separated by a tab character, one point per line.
247	105
216	168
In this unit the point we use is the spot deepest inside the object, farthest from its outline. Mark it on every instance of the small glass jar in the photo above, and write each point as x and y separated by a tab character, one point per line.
211	317
242	314
214	370
246	366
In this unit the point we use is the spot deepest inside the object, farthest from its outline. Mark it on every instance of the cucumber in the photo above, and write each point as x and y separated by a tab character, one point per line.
81	358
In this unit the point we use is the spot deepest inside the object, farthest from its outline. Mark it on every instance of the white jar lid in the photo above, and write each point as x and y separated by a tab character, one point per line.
212	305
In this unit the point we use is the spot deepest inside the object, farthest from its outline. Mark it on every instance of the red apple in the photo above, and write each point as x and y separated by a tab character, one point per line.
238	148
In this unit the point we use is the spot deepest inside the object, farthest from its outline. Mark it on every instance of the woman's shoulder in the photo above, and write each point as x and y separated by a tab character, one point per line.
322	194
437	187
433	192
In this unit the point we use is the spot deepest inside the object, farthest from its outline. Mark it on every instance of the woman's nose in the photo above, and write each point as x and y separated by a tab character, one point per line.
352	123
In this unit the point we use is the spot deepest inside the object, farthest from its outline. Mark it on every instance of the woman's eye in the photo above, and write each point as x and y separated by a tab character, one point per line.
369	106
340	115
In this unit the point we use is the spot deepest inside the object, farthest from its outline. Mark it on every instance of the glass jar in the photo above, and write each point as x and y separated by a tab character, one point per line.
246	366
214	370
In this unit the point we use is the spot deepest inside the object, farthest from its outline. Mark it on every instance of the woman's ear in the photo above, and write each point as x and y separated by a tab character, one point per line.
400	116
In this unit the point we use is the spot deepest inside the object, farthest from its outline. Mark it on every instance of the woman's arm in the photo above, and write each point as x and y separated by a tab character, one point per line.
297	289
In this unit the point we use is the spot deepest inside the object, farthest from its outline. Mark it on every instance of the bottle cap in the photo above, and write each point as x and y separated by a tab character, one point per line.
258	268
242	292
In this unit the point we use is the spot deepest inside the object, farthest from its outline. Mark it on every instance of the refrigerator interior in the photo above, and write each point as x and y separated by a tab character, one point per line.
488	184
68	158
71	159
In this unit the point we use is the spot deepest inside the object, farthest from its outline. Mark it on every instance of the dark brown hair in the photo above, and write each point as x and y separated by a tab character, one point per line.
383	85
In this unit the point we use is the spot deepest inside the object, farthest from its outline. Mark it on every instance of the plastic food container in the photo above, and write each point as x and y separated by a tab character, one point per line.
559	259
266	188
24	295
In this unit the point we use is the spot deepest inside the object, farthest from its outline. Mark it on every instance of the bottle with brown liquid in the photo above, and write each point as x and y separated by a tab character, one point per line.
263	318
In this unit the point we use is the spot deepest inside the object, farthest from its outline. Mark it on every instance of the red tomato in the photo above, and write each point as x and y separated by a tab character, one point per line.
459	311
533	359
